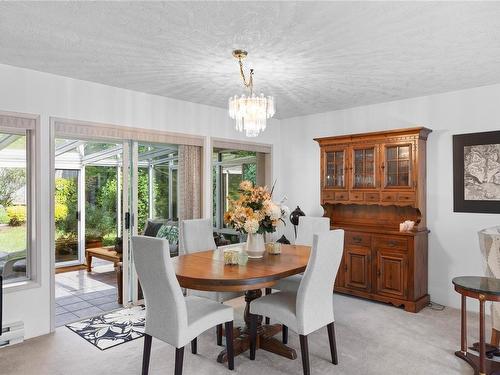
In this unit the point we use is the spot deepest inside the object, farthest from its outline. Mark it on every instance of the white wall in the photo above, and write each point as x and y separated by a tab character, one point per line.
453	243
28	91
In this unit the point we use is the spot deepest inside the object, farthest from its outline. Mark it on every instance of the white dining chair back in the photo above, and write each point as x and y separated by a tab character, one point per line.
308	226
197	235
314	304
166	314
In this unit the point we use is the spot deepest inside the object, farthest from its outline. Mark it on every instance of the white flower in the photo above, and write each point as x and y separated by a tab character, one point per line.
274	212
251	226
285	210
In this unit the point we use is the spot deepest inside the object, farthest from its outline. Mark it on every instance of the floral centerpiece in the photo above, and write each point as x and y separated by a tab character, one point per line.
255	214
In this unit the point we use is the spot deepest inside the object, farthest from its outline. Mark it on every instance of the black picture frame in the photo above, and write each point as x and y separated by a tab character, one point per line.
459	203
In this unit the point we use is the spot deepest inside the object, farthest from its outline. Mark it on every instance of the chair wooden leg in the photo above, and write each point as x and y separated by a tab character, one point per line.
229	345
179	359
284	332
304	348
253	336
268	291
495	337
146	354
194	345
333	344
219	334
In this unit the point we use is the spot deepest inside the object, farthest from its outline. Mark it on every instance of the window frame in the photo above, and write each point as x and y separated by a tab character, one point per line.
27	125
218	165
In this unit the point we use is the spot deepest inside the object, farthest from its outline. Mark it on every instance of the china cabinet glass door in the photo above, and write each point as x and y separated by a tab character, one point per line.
335	169
364	168
398	166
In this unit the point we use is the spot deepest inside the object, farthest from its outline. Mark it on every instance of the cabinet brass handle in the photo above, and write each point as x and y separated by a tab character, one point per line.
392	243
357	239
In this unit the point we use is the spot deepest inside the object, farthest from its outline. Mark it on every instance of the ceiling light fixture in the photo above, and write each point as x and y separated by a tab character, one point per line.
250	112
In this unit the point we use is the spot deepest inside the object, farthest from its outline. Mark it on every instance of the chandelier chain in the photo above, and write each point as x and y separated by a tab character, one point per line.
242	73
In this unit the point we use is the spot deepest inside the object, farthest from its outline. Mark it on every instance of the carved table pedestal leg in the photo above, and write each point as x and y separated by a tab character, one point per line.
265	334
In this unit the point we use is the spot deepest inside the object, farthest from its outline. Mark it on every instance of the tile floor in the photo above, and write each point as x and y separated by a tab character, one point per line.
80	294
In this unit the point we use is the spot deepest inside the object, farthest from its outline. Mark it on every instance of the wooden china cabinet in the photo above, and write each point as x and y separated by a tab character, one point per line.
370	183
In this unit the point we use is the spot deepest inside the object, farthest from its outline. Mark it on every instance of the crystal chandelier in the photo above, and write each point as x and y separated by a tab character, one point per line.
250	112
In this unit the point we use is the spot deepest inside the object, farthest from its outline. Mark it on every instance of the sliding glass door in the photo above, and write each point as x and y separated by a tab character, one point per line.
106	192
88	202
153	194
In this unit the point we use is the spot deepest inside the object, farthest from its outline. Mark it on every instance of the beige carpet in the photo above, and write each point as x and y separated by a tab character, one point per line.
372	338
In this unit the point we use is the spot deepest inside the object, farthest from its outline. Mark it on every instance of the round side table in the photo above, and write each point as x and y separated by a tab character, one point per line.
483	289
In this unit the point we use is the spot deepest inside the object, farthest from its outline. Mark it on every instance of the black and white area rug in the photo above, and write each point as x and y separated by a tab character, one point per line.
112	329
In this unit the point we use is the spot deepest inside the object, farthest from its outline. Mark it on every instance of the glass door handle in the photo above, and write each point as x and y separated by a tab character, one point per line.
127	220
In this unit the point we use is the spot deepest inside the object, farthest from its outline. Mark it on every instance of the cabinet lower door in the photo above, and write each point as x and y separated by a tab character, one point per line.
392	273
357	268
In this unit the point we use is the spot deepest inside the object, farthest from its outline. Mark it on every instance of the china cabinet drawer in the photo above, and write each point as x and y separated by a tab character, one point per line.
341	196
389	197
328	195
355	196
406	197
390	242
372	197
356	238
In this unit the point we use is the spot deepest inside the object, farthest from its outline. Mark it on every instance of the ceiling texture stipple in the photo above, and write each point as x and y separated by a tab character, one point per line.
311	56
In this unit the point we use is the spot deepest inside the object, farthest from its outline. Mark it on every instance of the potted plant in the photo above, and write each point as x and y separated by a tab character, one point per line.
97	225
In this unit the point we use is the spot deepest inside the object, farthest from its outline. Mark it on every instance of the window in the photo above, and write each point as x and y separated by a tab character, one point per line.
157	182
15	205
229	168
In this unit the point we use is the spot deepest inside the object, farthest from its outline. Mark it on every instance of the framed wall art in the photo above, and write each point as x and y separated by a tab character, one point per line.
476	172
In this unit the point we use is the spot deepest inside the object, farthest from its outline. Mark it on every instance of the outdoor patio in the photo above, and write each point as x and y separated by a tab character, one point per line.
80	294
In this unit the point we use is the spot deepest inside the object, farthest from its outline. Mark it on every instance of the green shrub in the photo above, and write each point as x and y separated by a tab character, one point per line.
60	212
17	215
66	205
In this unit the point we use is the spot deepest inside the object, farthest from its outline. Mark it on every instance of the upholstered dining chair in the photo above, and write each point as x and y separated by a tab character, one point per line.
311	306
197	235
308	226
171	317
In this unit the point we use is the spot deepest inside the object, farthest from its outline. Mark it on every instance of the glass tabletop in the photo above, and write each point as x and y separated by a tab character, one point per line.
486	285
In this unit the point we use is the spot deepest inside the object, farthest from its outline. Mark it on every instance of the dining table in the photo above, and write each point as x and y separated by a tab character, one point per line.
207	271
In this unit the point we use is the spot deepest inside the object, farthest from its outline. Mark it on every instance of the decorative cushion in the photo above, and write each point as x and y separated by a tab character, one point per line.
170	232
152	228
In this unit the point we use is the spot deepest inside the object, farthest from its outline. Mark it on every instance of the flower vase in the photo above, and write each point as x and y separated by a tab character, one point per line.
255	247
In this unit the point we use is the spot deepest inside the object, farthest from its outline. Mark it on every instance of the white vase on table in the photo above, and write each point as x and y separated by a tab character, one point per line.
255	246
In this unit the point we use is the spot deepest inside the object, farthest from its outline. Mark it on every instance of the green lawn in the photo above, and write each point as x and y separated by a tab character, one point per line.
12	238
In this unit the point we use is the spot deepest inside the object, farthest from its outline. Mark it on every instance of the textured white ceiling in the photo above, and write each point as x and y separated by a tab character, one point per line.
312	56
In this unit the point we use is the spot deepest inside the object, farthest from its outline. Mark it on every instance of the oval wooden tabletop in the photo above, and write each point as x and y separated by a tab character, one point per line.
206	270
